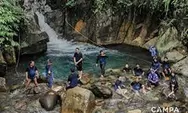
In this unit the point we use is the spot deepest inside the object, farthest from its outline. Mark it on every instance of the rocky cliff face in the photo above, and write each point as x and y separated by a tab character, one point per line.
81	24
33	39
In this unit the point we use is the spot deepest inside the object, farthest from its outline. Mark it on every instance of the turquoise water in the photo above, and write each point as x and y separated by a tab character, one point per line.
61	53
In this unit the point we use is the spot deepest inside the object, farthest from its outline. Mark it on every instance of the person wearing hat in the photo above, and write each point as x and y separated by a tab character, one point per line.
73	79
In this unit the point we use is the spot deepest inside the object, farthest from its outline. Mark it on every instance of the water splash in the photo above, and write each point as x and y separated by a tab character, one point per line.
62	47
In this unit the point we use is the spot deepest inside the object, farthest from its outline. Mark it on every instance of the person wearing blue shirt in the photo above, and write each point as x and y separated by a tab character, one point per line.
73	79
153	79
153	51
136	86
31	74
101	58
49	73
119	87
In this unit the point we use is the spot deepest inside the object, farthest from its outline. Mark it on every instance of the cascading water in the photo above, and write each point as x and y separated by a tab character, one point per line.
61	52
62	47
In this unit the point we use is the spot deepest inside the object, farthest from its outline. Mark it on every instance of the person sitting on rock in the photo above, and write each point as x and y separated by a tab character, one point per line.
138	72
136	86
153	51
31	74
166	69
119	87
156	65
153	79
173	86
73	79
49	73
127	69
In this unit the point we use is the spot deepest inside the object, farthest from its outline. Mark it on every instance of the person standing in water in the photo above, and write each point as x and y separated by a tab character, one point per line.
31	74
78	58
49	73
101	58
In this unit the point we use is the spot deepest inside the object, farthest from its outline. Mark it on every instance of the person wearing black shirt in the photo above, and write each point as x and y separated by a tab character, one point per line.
166	68
173	85
127	69
138	72
101	58
31	74
78	58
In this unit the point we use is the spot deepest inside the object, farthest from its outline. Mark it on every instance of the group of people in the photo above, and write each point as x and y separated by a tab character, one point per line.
74	79
158	71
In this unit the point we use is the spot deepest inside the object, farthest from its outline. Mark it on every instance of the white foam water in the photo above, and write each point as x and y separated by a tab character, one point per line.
62	47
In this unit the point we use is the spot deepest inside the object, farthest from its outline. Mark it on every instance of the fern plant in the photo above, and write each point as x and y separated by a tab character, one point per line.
10	16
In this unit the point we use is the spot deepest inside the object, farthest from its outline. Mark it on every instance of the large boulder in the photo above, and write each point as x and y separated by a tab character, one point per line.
33	40
181	66
9	55
150	43
186	92
168	40
174	56
49	100
2	84
78	100
3	65
101	91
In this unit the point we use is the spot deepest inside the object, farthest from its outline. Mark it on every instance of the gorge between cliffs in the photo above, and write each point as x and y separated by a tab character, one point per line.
124	29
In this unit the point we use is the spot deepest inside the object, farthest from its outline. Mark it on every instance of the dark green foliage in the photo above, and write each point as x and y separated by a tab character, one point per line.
10	16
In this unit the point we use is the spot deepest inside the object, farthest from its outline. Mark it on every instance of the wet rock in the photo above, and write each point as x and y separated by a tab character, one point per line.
15	87
33	40
3	65
78	100
9	56
181	66
135	111
101	91
186	92
21	105
150	43
85	79
49	100
97	111
2	84
174	56
3	68
114	71
168	40
57	88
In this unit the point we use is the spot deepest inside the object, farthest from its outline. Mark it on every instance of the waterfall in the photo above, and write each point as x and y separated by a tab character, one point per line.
62	47
45	27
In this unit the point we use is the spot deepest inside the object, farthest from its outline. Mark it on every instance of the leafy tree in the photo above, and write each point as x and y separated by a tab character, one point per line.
10	16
